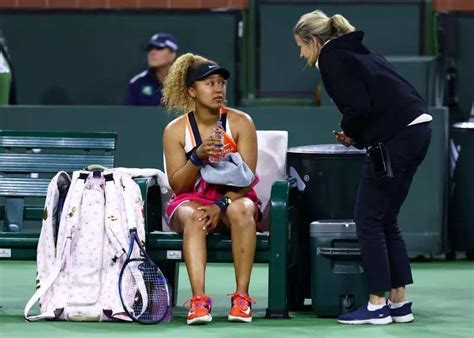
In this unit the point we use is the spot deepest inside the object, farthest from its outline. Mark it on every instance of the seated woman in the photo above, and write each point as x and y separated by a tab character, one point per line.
196	87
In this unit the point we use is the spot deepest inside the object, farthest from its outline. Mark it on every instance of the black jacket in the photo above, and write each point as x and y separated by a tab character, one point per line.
375	101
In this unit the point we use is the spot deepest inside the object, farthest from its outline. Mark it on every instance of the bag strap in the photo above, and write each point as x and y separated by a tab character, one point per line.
47	284
94	167
54	273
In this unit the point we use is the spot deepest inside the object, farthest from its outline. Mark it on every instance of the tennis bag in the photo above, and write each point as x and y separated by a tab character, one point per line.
80	250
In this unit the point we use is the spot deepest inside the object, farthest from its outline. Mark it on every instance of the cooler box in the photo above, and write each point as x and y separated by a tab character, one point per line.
338	281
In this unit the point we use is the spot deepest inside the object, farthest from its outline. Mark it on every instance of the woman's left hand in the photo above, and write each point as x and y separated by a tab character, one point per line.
210	215
343	138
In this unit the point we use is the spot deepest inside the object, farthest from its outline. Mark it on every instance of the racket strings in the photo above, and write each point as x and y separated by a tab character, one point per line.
148	299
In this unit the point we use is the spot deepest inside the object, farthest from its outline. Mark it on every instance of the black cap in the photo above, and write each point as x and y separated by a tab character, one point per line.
204	70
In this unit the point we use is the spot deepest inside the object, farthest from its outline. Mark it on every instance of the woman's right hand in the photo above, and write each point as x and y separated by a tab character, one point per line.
209	147
343	138
210	215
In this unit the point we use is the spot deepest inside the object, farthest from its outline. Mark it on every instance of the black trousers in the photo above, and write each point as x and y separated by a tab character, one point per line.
383	250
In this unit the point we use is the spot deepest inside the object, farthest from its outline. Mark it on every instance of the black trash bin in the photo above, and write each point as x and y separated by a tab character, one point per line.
328	179
328	175
461	204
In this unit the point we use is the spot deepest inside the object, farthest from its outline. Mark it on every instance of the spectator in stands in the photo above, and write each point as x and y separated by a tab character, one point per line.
378	106
145	89
196	86
7	78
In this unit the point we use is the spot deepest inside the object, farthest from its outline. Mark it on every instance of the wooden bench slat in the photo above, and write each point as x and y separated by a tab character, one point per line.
23	186
216	241
57	143
30	212
47	163
19	240
57	134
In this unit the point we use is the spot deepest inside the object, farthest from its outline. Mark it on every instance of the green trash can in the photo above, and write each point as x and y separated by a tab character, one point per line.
338	281
461	215
327	176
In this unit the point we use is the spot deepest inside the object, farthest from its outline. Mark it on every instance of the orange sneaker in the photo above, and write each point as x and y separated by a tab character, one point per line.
199	309
241	310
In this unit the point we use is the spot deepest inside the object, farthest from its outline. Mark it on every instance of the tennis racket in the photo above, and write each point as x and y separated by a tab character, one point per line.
143	288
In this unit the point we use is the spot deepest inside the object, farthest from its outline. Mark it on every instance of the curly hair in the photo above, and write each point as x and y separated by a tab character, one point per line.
175	90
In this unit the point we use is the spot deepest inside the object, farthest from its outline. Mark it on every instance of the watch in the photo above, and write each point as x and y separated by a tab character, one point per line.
223	203
227	200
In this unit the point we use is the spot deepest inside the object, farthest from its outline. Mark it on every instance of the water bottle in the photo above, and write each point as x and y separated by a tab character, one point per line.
217	134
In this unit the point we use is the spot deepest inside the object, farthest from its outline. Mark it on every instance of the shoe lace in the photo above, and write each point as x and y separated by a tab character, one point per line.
197	302
241	298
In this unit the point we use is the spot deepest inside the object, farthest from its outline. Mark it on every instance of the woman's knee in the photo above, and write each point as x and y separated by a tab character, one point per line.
242	210
189	220
193	223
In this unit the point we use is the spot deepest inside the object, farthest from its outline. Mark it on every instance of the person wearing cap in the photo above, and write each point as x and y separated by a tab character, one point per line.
145	89
196	87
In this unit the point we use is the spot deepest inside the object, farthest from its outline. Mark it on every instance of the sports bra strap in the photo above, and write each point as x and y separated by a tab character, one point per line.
195	129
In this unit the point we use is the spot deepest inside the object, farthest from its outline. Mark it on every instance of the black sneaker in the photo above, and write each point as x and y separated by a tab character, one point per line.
402	314
363	316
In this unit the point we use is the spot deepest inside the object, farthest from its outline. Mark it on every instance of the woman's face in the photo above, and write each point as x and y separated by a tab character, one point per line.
209	92
160	57
308	51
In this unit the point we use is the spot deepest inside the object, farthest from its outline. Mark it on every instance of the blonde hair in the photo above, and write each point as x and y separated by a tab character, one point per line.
318	25
175	89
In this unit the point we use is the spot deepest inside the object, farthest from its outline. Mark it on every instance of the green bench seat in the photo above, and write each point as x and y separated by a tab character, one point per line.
271	247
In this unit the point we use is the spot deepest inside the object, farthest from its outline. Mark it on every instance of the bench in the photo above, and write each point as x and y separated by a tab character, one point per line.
28	160
272	246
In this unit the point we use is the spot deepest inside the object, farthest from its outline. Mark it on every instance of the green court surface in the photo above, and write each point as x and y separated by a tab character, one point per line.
443	296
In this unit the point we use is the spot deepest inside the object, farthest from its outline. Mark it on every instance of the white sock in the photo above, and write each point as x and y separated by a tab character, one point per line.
372	307
393	305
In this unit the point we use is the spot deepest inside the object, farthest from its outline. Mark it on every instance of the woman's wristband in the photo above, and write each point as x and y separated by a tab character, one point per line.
194	158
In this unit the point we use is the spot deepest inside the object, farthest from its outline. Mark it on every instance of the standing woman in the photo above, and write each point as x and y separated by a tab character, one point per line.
197	87
378	106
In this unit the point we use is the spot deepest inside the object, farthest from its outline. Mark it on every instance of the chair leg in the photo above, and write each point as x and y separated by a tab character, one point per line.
277	304
277	279
277	308
171	271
